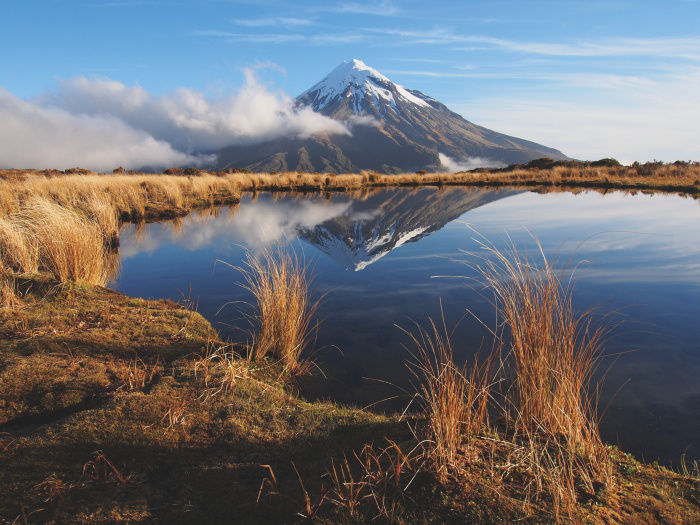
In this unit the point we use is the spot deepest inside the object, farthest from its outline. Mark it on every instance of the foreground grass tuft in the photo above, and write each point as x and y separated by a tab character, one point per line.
550	355
455	399
281	283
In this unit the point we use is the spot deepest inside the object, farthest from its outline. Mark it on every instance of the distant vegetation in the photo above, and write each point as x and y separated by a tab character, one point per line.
99	202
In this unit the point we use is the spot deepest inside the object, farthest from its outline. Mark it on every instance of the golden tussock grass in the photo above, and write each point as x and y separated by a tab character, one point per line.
19	249
45	236
551	355
455	399
281	283
129	195
546	431
71	246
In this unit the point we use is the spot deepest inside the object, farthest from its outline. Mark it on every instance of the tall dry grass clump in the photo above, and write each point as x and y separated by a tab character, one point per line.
455	399
552	353
19	249
61	241
281	283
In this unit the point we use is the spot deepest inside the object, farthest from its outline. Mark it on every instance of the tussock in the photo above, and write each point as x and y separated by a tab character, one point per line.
455	399
45	236
281	283
71	246
551	354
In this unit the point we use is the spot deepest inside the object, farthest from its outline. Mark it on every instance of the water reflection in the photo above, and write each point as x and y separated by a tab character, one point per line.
353	230
380	222
253	226
640	253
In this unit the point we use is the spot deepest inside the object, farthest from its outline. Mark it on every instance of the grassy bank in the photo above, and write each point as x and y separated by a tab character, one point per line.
141	195
115	409
46	215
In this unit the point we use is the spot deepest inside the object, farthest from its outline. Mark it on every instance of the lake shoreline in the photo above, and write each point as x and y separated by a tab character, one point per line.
176	192
129	409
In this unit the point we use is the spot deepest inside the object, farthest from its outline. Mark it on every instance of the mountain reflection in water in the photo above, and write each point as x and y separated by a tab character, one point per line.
380	222
637	253
353	230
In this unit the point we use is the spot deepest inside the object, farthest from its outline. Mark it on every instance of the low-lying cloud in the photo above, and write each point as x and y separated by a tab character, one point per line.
101	123
468	163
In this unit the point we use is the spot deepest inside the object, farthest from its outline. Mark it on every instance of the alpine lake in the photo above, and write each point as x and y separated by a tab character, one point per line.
387	261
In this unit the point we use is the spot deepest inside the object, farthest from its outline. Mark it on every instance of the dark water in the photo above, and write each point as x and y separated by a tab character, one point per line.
398	257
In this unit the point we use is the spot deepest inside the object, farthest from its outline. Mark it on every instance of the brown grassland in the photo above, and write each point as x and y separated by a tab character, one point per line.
116	409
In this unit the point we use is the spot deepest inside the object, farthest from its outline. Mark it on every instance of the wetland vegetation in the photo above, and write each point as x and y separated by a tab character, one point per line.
121	409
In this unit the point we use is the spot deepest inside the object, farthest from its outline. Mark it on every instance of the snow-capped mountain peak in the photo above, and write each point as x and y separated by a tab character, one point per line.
362	86
392	129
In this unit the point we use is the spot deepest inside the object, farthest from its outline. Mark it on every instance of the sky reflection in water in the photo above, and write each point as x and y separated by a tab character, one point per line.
640	253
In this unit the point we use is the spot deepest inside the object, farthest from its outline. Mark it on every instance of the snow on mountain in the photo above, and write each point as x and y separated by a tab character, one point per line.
357	82
400	130
367	244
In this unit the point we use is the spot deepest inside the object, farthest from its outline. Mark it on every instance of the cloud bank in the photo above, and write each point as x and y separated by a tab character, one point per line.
470	163
100	124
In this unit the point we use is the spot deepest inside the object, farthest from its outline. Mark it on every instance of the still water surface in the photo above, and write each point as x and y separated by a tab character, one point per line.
392	258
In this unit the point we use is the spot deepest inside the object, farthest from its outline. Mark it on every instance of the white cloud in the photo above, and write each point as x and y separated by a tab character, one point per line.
383	8
267	22
672	47
33	136
101	123
468	163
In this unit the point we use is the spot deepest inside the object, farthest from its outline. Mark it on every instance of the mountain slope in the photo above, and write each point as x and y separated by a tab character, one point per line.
394	129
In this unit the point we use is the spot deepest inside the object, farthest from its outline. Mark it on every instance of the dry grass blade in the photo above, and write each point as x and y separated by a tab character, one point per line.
270	483
102	470
53	488
273	490
177	414
8	292
346	492
382	481
220	371
692	471
6	441
136	374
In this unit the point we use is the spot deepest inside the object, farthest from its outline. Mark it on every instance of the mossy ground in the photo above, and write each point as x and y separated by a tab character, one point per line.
111	412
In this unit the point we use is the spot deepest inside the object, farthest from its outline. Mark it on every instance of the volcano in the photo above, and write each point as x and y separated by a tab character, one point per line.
391	129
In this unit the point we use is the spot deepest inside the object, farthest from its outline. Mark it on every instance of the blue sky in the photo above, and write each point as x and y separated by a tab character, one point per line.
594	79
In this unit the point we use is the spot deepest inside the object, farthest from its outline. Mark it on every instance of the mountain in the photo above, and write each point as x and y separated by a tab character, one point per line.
394	129
384	220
